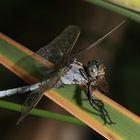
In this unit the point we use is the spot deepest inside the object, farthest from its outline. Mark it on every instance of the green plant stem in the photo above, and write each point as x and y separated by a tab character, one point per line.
117	9
42	113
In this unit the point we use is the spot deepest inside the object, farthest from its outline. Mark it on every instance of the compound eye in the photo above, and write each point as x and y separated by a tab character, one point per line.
93	70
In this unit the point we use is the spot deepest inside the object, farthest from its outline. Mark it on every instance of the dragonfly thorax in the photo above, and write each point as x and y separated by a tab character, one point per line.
72	75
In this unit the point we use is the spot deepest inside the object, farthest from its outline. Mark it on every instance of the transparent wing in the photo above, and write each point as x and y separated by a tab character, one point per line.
81	52
61	46
31	101
34	97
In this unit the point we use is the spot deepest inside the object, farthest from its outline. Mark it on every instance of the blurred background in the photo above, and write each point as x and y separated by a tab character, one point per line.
36	23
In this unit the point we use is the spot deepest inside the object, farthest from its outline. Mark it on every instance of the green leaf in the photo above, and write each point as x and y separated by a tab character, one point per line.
130	4
120	8
127	125
41	113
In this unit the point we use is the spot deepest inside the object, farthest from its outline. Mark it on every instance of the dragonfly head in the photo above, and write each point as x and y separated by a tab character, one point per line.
96	72
95	69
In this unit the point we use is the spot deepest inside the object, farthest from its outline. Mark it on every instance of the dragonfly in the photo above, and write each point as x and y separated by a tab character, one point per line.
68	71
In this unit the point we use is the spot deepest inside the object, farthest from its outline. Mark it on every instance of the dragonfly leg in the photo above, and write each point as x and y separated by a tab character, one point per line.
90	98
98	105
